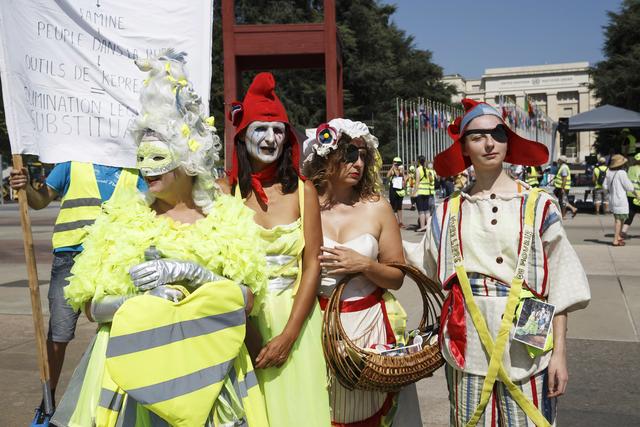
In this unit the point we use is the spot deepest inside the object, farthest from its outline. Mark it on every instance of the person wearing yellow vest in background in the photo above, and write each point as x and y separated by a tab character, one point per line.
628	143
600	195
169	279
562	185
411	186
433	177
83	188
424	191
634	203
533	176
497	247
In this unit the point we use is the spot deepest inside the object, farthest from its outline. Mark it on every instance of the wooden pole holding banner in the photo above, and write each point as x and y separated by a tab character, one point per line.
34	291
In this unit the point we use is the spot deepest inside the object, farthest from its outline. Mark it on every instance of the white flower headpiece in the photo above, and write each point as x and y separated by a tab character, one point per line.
324	139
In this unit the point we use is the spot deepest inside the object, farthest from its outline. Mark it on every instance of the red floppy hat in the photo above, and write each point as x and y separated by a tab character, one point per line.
520	151
261	104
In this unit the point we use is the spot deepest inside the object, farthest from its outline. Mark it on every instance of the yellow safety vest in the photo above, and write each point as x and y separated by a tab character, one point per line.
81	204
557	181
175	358
596	172
634	177
532	176
632	144
426	185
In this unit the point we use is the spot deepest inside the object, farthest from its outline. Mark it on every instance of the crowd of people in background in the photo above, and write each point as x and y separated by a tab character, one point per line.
613	186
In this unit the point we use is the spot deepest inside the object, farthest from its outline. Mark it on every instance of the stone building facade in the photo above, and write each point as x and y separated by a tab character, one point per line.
559	90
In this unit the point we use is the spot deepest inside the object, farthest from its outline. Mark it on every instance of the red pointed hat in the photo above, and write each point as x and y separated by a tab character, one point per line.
520	151
261	104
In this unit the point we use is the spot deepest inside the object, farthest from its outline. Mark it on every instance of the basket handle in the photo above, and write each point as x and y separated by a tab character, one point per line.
425	285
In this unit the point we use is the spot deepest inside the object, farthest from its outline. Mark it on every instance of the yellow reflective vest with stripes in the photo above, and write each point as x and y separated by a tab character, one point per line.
557	181
533	177
427	181
81	203
185	362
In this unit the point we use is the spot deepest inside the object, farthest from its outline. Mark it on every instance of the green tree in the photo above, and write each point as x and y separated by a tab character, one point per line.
616	79
380	63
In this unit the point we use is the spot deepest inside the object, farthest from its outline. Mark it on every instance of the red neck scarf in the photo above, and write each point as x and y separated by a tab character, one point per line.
267	174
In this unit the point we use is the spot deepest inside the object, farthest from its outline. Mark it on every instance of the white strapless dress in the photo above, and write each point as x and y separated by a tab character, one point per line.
365	319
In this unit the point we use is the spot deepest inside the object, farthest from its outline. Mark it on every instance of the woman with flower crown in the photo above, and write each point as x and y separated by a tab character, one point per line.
360	235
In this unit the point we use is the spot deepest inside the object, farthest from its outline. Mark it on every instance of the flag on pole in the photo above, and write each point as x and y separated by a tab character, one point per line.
406	112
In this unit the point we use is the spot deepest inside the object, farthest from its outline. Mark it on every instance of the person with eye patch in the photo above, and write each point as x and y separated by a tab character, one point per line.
492	245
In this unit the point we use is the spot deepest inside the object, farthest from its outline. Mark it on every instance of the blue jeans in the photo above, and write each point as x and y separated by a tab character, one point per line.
62	318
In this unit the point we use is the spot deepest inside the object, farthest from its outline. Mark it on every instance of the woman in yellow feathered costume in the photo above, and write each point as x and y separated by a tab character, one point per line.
169	280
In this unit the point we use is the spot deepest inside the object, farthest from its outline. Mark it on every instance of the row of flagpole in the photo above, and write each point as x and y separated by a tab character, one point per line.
421	126
530	121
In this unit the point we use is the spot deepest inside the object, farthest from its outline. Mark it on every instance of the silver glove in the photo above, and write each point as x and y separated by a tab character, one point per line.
167	293
104	308
158	272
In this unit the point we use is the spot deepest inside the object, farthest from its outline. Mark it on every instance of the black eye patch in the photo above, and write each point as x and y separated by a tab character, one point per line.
498	133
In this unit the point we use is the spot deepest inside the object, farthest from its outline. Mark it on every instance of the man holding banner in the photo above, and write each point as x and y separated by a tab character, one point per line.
83	188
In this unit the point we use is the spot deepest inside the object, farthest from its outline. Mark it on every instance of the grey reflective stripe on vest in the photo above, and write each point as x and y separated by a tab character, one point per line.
129	417
278	259
180	386
280	283
110	399
242	386
73	225
81	202
163	335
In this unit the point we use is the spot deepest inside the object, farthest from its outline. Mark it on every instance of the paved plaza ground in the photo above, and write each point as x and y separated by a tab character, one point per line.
604	342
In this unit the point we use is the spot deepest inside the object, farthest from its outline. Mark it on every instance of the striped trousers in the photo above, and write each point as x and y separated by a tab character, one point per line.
502	410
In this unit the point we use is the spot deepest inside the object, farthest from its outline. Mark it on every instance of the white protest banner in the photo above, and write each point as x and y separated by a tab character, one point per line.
69	83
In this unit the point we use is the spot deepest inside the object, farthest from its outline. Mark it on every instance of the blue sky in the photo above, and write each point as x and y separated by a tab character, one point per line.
467	36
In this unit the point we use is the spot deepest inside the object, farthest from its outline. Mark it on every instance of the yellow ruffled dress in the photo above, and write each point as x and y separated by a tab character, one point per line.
223	242
295	393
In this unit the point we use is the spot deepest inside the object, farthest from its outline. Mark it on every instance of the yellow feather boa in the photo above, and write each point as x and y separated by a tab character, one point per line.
226	242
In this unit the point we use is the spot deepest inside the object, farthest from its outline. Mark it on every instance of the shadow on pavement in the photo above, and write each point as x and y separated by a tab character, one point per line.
598	241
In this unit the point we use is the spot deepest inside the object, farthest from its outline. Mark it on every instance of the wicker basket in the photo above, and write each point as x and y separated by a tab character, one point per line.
356	368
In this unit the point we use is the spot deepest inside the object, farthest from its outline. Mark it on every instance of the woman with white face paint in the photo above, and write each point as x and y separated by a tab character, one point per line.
360	235
498	247
173	262
289	364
